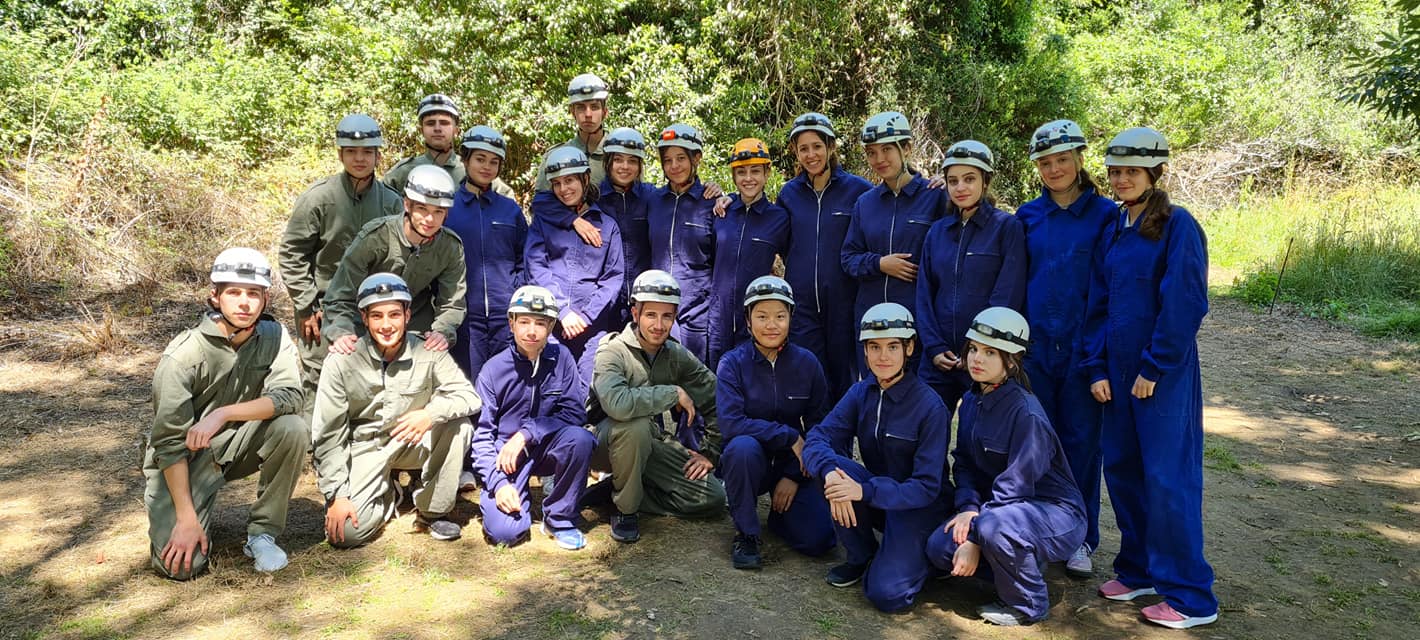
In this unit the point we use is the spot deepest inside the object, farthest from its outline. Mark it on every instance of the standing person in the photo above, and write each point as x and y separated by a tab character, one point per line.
766	413
753	231
414	245
390	404
1016	500
323	221
586	102
226	403
585	280
901	487
884	242
1067	231
532	422
683	233
625	195
439	122
1146	304
641	374
973	258
819	200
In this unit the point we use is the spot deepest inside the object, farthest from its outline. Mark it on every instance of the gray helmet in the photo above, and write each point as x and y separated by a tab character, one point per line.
382	287
1002	328
533	300
681	135
887	320
438	103
885	127
970	153
1056	136
430	185
565	161
358	130
1137	147
769	288
240	265
485	138
655	286
625	140
585	88
813	121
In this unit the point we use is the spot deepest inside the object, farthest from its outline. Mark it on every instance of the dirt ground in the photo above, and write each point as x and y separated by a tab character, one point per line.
1312	509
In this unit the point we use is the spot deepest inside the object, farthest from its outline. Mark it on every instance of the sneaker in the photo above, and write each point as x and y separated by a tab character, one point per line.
846	574
439	528
1002	614
745	553
1080	565
467	481
570	539
1164	615
625	528
263	549
1116	590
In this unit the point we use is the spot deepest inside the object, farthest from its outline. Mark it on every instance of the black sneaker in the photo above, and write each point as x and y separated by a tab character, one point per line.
439	528
624	528
746	552
846	574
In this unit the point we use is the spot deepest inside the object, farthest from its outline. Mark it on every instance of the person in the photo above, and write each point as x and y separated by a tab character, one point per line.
391	404
901	487
439	121
884	242
1146	305
430	261
1067	229
683	234
226	405
586	101
624	195
971	259
641	374
323	221
819	200
532	422
765	414
1016	501
584	279
753	232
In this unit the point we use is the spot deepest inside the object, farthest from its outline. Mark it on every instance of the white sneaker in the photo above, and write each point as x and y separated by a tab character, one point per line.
1080	565
263	549
467	481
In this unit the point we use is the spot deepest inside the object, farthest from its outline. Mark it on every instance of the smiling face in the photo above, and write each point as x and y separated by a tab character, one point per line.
625	170
1129	183
750	181
385	321
812	152
986	364
530	332
1059	171
423	220
570	189
359	162
679	165
654	321
439	130
589	115
886	356
965	185
885	159
482	168
769	323
240	304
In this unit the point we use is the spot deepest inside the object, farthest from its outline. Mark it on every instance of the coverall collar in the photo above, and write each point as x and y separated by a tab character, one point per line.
898	391
1004	393
1076	208
373	351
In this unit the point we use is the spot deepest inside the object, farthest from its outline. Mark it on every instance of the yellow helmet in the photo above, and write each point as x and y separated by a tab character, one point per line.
749	151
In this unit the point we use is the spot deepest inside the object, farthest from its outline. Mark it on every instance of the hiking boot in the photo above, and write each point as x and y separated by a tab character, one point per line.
625	528
1080	565
1116	590
846	574
745	553
467	481
1165	615
439	528
570	538
262	548
1002	614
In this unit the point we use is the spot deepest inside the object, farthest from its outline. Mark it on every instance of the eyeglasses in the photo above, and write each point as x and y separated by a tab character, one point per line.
880	325
992	332
1044	141
963	152
657	289
243	269
384	289
1145	152
747	155
672	134
488	140
357	135
586	90
873	134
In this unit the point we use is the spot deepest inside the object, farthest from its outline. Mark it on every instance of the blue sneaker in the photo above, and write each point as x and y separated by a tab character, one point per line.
570	539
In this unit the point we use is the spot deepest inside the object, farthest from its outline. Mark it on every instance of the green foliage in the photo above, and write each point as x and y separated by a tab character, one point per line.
1386	75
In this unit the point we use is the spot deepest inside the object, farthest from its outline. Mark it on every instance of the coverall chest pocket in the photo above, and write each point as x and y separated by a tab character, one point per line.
502	239
251	379
899	443
697	234
991	453
414	391
978	272
916	231
762	248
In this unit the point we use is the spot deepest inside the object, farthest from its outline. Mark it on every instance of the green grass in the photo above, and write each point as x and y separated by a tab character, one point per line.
1218	456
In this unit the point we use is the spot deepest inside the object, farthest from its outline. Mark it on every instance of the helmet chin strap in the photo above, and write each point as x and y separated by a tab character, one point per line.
234	332
1143	197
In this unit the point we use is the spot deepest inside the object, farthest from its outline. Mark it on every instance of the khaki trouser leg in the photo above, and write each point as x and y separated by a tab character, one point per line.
648	472
312	357
440	457
204	479
275	449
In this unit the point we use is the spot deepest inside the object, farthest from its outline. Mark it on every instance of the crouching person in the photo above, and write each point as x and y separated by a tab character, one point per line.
389	405
533	423
226	396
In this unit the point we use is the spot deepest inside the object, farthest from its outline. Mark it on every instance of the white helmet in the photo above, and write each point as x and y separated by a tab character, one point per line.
1137	147
1056	136
885	127
485	138
1002	328
655	286
769	288
625	140
438	103
358	130
382	287
240	265
533	300
970	153
430	185
681	135
585	88
565	161
813	121
887	320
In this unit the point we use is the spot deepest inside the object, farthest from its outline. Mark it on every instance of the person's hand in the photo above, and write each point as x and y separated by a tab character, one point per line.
798	449
1143	388
345	345
783	495
589	232
713	190
936	182
682	400
199	435
946	361
310	327
573	324
410	427
508	455
842	487
722	204
966	558
186	538
508	500
1100	390
697	467
435	341
898	266
960	525
336	514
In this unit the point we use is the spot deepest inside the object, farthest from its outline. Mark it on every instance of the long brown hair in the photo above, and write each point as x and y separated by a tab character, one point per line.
1157	208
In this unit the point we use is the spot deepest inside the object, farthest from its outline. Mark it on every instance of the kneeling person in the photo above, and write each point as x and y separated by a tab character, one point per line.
390	404
226	398
533	423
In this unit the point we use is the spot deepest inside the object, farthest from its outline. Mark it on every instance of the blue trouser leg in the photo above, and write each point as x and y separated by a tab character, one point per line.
1124	478
1077	419
899	566
743	466
749	472
508	528
1018	541
841	335
567	456
807	526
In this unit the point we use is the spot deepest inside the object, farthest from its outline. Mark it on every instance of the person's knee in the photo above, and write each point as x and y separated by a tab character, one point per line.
741	451
581	442
887	596
941	548
358	536
633	435
506	530
990	531
199	565
290	430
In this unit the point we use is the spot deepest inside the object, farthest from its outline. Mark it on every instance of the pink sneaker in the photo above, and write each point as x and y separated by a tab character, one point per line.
1116	590
1164	615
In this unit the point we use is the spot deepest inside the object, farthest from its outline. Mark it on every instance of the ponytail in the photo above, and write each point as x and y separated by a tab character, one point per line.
1157	208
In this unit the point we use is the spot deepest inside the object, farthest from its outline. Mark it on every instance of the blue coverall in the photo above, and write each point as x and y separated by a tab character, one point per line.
746	241
1146	305
1065	246
763	411
493	231
965	268
683	245
1010	468
545	402
629	209
902	435
823	320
